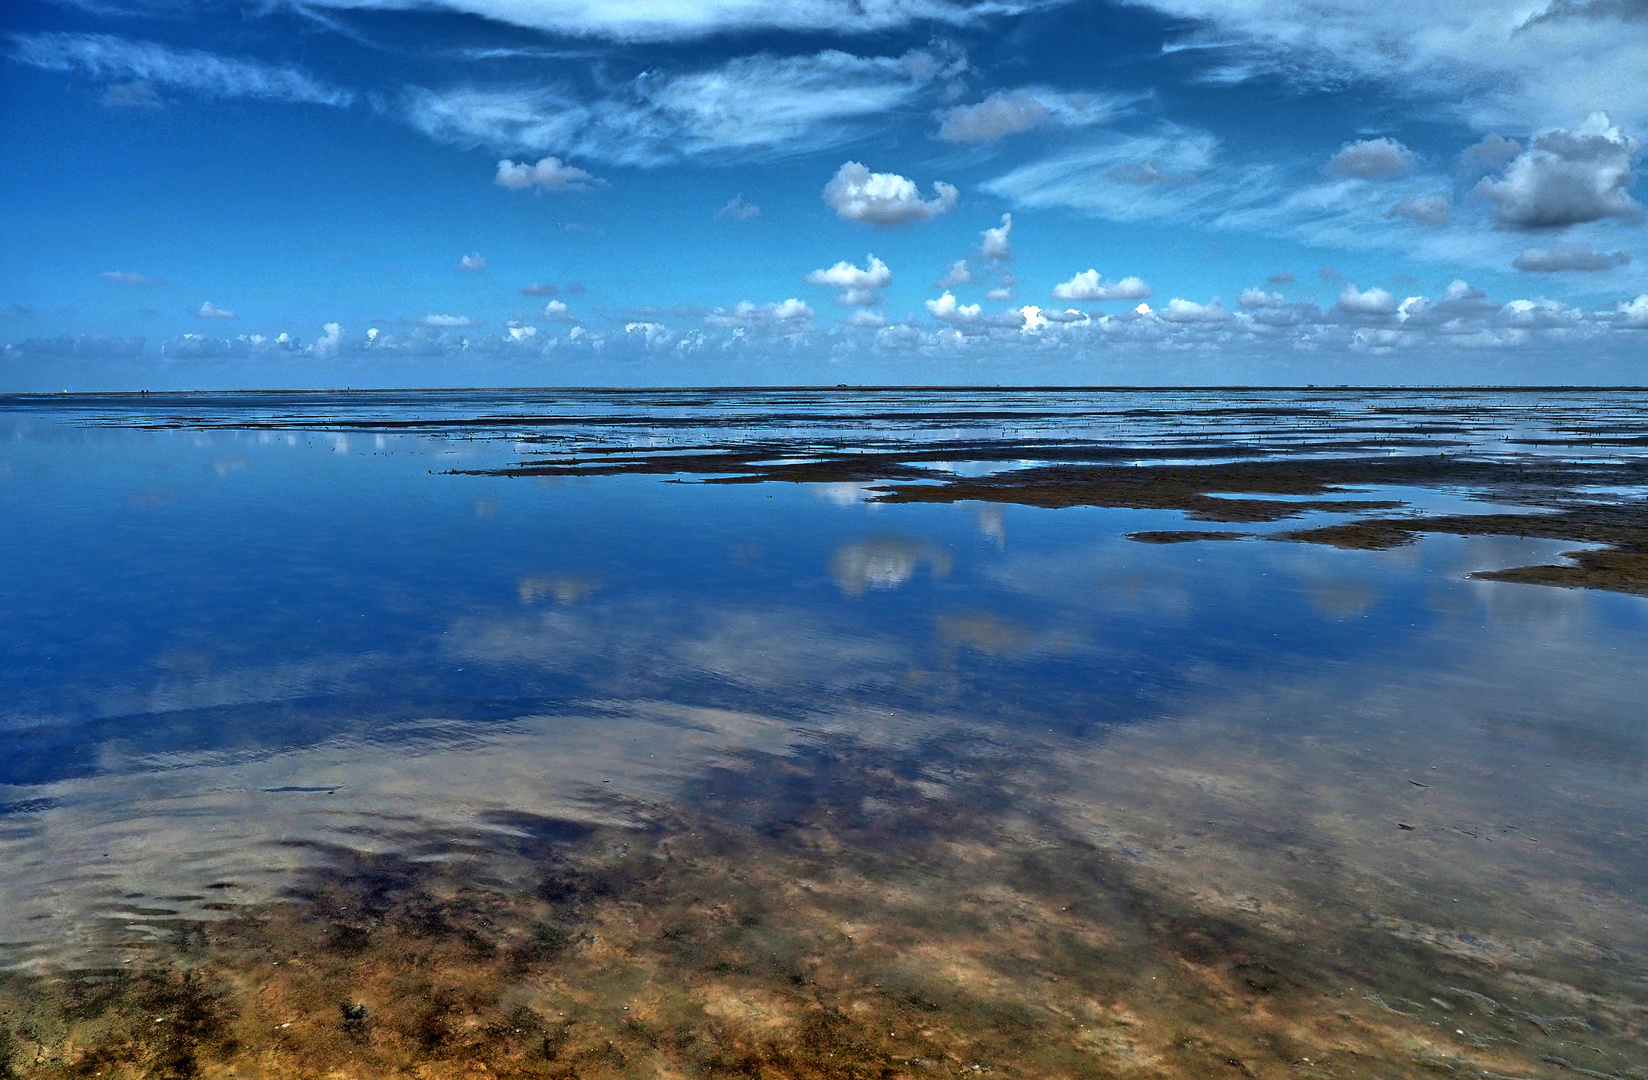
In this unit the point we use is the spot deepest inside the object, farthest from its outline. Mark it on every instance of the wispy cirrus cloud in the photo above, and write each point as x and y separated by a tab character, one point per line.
1174	173
758	106
685	20
1008	112
1495	62
107	56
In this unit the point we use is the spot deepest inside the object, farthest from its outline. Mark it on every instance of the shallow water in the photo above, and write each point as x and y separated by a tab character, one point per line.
457	734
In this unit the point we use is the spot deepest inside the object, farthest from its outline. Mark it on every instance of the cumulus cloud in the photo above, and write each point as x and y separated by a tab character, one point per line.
1489	155
858	285
558	311
327	345
1003	289
1564	256
1089	285
209	310
959	272
239	347
1010	112
996	244
130	277
550	174
1422	210
1567	178
1258	298
1372	159
745	314
1188	311
864	317
106	56
738	209
857	194
749	107
473	261
1374	301
136	94
1633	313
447	322
946	309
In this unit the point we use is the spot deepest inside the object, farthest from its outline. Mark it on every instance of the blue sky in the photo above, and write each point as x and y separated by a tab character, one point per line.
543	192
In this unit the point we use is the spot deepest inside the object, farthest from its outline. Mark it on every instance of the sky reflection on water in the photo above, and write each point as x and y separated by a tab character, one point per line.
232	655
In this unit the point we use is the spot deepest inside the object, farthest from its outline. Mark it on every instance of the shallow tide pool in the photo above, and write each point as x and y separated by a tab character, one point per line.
705	734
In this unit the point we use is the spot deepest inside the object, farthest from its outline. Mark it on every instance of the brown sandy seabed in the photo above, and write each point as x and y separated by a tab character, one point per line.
1046	911
847	914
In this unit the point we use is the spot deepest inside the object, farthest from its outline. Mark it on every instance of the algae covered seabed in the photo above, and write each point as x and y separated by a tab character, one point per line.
825	733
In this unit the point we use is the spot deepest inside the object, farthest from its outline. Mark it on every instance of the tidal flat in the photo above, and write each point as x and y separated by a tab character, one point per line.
828	733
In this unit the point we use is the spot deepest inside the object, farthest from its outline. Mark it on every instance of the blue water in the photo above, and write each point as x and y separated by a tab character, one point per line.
239	629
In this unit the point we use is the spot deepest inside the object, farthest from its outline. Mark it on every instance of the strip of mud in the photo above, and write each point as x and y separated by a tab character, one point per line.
1263	490
831	914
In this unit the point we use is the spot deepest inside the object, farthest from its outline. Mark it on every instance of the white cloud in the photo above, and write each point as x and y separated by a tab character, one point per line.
746	315
1568	177
749	107
651	335
239	347
1168	175
1495	63
1374	301
996	244
945	309
327	345
958	273
873	320
550	174
1565	256
738	209
105	56
683	20
1188	311
1089	285
792	308
447	321
473	261
521	332
558	311
130	277
136	94
858	285
1372	159
1634	313
1258	298
209	310
857	194
1010	112
1422	209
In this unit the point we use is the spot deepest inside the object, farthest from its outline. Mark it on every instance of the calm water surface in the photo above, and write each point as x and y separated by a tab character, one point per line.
636	774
